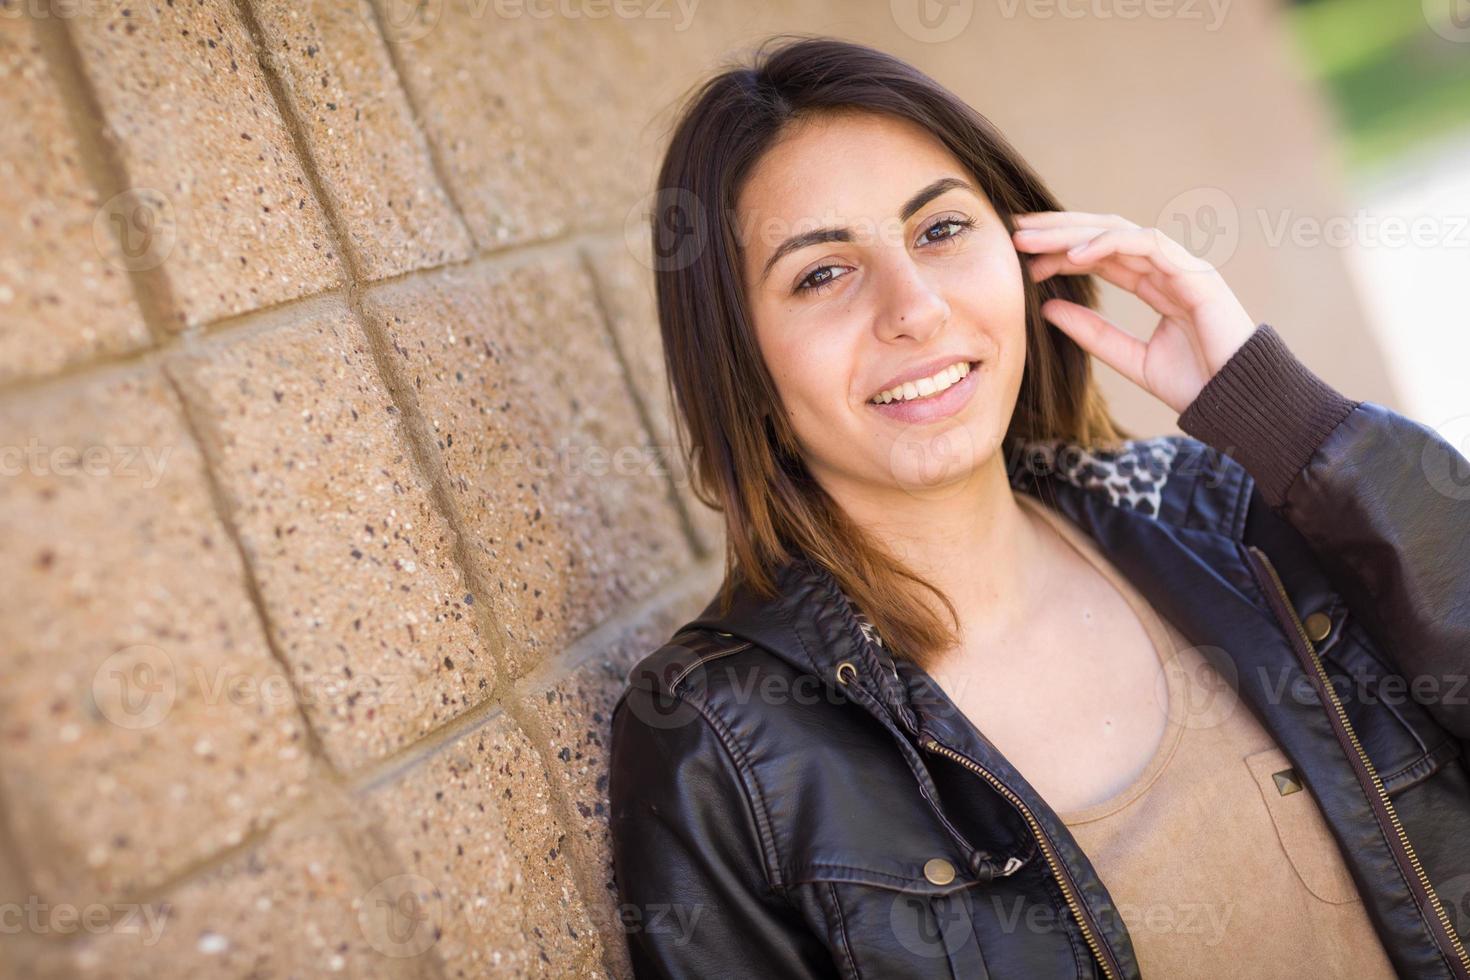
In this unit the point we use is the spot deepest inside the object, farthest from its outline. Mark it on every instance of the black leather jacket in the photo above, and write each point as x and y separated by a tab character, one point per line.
790	801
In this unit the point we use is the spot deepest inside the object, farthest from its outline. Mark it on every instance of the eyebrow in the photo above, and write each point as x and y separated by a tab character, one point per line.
820	235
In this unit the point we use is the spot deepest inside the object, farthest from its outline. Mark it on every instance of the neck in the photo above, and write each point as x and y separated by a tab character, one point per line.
970	539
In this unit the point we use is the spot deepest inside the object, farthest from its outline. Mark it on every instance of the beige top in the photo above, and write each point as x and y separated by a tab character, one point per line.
1217	855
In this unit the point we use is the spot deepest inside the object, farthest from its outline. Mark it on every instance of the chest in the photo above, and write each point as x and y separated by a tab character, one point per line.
1078	701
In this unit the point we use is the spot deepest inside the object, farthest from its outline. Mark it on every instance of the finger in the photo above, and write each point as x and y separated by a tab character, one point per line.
1153	293
1053	219
1145	283
1057	243
1053	263
1055	238
1167	255
1100	337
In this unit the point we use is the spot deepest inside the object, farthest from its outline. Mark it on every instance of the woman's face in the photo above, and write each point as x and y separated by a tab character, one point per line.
870	259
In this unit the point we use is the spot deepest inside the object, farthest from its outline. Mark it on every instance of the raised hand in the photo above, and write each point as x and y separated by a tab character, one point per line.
1201	323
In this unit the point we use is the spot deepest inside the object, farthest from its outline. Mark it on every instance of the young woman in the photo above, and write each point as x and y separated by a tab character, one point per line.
993	687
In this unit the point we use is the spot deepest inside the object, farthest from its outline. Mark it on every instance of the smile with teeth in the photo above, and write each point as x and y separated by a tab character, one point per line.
924	387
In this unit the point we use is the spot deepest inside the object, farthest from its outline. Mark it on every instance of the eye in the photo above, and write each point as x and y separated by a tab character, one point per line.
960	226
815	282
820	279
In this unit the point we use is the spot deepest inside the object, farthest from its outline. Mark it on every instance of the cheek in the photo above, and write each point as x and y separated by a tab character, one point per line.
986	292
796	366
993	281
812	380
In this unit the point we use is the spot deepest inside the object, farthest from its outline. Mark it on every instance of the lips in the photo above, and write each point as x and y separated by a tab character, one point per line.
934	408
923	369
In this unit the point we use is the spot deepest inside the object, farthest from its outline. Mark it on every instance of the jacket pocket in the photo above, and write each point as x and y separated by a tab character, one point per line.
880	928
1404	742
1301	828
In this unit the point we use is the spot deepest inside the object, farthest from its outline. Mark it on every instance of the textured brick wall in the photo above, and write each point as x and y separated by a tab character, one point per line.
333	503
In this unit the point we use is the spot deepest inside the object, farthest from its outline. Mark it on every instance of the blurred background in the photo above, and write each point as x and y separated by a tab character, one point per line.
337	488
1395	80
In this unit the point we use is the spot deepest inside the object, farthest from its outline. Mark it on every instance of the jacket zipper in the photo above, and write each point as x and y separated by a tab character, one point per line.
1058	869
1449	944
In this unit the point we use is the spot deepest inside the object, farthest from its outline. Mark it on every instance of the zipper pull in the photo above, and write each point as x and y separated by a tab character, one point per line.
986	869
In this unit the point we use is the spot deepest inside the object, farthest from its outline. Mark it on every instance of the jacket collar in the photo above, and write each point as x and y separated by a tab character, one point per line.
1146	504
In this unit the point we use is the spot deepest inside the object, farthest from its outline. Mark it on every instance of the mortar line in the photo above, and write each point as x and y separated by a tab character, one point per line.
14	854
224	509
691	582
424	447
415	428
311	811
386	770
285	311
436	161
586	873
398	391
101	159
640	404
230	329
103	163
156	302
109	171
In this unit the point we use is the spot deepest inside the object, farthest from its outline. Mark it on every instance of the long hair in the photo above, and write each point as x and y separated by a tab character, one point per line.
734	439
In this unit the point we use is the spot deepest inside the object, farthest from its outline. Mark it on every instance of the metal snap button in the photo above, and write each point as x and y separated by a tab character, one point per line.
938	871
1318	625
1287	781
851	672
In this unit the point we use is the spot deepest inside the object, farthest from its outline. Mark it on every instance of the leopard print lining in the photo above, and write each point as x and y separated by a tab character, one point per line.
1132	477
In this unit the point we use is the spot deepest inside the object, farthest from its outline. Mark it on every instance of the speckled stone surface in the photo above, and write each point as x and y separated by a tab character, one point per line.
625	282
300	904
27	955
503	91
576	709
354	563
144	723
474	822
374	162
551	469
64	292
189	108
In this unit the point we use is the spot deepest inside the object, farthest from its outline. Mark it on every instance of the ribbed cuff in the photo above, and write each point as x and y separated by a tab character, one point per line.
1267	410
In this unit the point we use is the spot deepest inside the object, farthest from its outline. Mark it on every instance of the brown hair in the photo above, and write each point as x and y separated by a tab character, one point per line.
733	437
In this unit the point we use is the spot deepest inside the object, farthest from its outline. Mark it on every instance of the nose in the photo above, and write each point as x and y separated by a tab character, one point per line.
911	306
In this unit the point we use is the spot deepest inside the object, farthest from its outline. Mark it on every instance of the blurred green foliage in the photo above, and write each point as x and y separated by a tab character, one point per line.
1395	82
